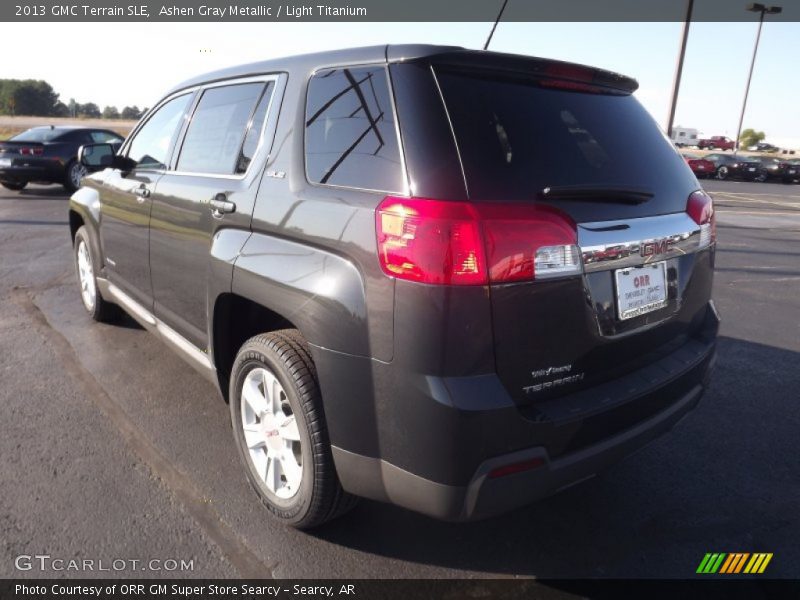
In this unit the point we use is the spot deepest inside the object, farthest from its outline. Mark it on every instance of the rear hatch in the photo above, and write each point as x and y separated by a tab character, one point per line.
574	139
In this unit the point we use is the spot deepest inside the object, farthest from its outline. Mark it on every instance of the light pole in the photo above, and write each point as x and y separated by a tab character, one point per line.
763	10
676	84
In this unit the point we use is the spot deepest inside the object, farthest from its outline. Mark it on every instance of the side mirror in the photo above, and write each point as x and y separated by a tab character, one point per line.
96	156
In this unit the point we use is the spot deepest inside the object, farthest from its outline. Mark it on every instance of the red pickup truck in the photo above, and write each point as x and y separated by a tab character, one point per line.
716	141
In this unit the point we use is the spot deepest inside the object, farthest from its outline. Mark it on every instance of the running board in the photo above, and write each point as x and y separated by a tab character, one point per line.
183	347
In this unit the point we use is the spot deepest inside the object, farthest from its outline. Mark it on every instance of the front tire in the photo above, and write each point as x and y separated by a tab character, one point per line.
280	431
98	308
723	173
14	186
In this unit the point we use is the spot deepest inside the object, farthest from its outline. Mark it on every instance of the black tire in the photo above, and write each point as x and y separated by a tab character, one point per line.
320	496
68	183
99	309
13	186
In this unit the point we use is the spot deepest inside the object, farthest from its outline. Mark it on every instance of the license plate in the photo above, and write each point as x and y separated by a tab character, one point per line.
792	172
701	168
751	169
641	290
5	162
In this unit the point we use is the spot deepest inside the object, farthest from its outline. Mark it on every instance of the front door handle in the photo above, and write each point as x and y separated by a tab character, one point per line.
220	205
142	193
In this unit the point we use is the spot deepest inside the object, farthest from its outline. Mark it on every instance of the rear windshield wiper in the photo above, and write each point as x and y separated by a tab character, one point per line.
621	195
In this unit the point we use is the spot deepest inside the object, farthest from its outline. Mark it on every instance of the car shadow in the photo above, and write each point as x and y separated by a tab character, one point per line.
724	478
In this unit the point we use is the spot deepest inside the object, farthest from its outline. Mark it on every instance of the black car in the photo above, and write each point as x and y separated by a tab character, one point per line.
49	155
775	169
735	167
425	275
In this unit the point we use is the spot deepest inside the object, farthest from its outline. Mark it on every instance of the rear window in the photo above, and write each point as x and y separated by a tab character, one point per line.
351	138
38	134
516	138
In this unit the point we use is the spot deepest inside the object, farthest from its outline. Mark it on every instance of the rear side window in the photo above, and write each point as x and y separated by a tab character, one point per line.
37	134
105	137
516	138
213	142
351	139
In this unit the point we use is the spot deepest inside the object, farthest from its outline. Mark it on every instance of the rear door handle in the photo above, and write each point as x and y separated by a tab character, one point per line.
142	193
220	205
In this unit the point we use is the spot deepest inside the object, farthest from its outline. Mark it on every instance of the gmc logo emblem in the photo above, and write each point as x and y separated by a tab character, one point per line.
656	247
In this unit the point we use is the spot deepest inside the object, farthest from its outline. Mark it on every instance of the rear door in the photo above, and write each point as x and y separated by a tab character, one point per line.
599	158
126	200
211	186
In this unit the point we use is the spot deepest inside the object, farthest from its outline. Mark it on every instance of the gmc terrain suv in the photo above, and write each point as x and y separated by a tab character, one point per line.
430	276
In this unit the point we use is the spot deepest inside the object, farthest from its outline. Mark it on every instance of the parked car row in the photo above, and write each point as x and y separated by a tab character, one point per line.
747	168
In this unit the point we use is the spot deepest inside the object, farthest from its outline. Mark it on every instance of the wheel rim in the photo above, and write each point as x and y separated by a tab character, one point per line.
271	434
76	173
722	173
86	276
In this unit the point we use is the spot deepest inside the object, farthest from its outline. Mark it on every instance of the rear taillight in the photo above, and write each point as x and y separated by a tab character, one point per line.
34	151
463	243
700	208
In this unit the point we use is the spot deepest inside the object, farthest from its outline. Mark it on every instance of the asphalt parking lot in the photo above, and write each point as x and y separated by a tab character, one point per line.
113	448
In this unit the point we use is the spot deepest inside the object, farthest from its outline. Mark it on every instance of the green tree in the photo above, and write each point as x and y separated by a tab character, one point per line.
89	110
131	112
27	97
110	112
750	137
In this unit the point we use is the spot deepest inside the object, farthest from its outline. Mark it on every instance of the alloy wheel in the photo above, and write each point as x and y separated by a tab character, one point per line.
270	433
86	276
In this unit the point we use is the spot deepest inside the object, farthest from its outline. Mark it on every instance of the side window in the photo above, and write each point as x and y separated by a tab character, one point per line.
253	135
150	147
213	142
105	137
351	138
79	136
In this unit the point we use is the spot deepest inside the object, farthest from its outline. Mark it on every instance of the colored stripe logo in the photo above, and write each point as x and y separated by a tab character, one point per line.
734	562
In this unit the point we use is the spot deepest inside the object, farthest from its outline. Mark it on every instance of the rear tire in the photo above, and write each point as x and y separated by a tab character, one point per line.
723	173
280	430
98	308
15	187
73	174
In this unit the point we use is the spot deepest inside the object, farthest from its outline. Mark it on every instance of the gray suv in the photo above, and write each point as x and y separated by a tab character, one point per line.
424	275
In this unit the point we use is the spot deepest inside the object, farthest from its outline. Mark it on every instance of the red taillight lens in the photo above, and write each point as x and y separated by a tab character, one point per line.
700	208
463	243
528	242
35	151
430	241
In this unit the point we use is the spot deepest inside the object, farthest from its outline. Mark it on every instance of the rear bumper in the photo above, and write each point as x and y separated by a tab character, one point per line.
435	449
21	174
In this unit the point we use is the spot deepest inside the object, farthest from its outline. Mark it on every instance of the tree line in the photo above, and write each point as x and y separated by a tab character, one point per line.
37	98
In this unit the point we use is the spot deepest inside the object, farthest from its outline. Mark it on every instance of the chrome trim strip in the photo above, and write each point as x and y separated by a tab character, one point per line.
625	243
183	347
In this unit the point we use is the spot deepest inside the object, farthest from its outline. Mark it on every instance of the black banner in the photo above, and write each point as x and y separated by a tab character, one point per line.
382	10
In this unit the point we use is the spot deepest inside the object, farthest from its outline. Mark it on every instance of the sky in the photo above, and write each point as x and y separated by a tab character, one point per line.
135	63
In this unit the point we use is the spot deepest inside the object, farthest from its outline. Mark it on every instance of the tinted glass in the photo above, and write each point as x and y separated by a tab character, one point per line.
517	138
150	148
351	138
37	134
76	137
253	135
105	137
214	139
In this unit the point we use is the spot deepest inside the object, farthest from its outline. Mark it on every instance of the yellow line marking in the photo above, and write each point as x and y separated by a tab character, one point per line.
765	563
752	562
